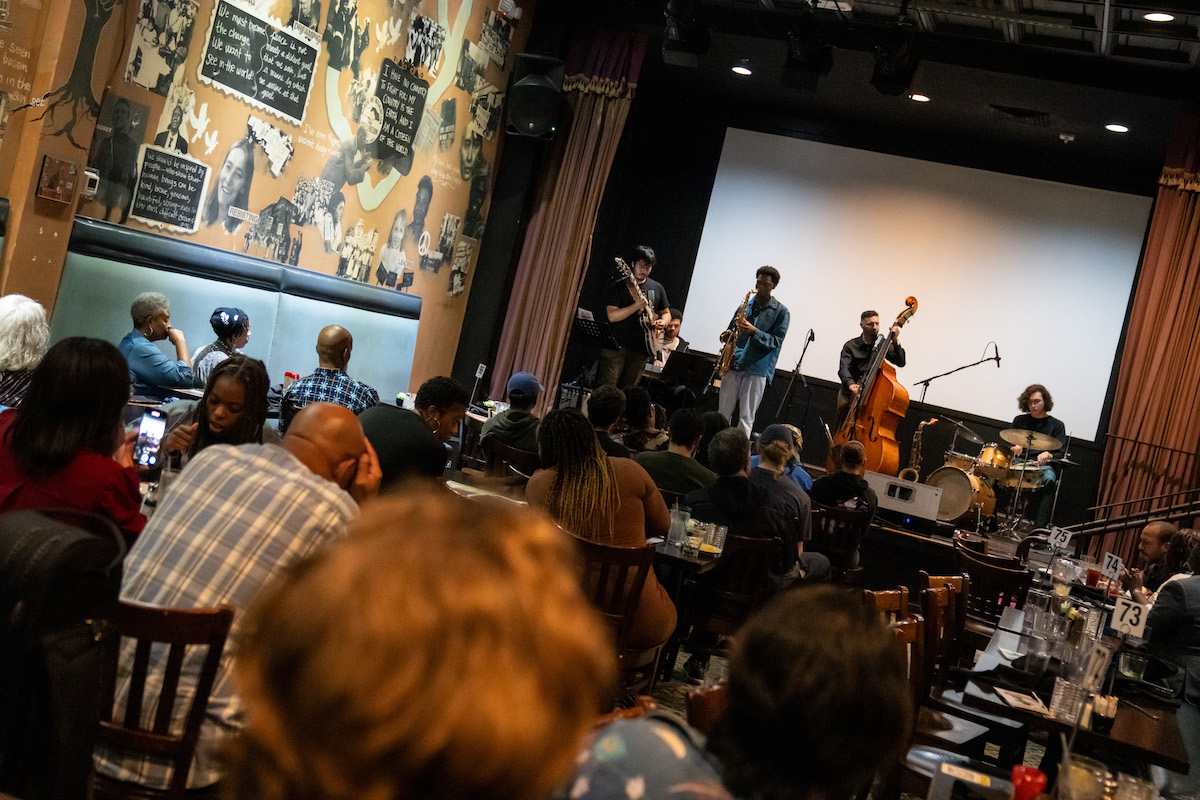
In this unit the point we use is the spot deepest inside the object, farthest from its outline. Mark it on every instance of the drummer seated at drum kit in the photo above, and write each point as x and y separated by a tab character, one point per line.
1038	437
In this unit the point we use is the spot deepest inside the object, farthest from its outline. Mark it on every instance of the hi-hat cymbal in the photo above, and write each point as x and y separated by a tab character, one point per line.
965	432
1066	462
1030	440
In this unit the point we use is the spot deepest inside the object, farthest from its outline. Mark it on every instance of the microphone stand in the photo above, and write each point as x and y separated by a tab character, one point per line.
787	395
925	383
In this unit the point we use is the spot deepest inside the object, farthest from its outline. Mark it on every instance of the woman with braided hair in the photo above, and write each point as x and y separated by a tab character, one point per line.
611	501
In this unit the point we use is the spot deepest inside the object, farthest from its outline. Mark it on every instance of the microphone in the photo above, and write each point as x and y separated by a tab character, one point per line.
812	337
997	354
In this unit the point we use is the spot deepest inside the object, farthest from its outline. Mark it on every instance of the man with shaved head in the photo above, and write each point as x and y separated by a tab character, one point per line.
330	383
232	519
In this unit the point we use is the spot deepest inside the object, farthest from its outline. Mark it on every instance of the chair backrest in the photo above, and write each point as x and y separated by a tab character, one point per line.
1035	550
992	588
948	652
178	628
939	645
892	603
705	704
741	579
288	409
613	578
910	636
837	531
986	554
672	498
502	457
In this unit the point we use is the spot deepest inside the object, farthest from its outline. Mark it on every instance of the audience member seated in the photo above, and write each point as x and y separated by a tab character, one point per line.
64	447
406	448
516	427
714	423
642	429
669	340
24	335
232	327
775	443
151	372
676	469
345	698
607	500
233	519
330	383
817	704
793	470
1154	543
442	403
847	485
604	409
233	410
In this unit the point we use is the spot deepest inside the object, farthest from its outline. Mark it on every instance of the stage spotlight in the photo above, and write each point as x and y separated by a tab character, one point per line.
896	60
685	38
808	57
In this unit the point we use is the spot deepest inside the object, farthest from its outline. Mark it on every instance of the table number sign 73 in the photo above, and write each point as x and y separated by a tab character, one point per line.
1130	617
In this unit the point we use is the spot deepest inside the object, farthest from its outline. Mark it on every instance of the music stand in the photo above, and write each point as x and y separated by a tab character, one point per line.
688	369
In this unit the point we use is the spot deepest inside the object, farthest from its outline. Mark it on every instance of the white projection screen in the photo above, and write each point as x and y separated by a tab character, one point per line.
1042	269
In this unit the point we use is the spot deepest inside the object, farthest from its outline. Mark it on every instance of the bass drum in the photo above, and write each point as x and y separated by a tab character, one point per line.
963	495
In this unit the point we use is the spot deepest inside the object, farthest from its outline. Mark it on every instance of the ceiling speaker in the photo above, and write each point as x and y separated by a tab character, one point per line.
534	101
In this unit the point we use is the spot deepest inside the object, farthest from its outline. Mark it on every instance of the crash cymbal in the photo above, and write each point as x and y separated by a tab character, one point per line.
1066	462
965	432
1030	440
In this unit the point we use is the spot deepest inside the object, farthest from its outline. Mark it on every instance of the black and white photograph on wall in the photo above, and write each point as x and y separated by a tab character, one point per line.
346	37
446	131
470	153
270	236
425	39
357	253
485	108
447	235
306	17
473	220
5	107
391	256
172	137
349	163
310	196
162	37
231	187
329	221
361	88
276	144
420	208
495	37
471	62
460	266
114	155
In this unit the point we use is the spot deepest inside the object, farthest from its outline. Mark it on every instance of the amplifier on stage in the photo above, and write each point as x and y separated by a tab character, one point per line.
911	505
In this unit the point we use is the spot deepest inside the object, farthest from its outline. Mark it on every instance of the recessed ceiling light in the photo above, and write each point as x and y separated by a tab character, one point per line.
1158	16
920	98
743	67
1115	128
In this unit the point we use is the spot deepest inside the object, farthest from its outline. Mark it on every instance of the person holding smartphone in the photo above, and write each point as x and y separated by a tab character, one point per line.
57	451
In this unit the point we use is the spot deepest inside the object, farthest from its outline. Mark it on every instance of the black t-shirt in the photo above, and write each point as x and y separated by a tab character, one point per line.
1047	425
629	332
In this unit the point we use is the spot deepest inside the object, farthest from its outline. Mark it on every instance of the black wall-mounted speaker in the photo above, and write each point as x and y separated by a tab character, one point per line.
534	101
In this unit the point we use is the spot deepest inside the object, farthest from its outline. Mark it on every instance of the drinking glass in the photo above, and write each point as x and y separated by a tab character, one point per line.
1067	700
1132	665
1131	788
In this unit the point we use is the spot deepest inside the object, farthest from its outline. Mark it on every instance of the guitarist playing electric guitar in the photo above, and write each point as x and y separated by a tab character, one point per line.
637	309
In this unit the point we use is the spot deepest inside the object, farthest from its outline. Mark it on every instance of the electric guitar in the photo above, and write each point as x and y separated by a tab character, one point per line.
645	317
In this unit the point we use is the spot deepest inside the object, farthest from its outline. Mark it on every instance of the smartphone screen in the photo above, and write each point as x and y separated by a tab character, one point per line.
150	435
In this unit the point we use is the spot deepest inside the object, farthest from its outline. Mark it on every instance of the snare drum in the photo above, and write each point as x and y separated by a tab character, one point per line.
960	461
963	494
1031	478
993	461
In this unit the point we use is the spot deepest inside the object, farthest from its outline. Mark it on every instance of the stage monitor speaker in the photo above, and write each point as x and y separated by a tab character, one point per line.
534	101
907	501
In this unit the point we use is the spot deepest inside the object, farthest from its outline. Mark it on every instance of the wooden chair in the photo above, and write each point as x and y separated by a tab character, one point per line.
949	652
613	578
892	603
287	411
836	532
716	603
991	589
507	461
672	498
177	628
705	704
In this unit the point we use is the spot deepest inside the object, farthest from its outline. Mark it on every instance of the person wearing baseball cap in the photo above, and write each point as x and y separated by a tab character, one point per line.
516	427
794	471
776	446
232	327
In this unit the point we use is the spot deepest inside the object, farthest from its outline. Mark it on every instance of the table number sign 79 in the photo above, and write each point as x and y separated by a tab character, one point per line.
1130	617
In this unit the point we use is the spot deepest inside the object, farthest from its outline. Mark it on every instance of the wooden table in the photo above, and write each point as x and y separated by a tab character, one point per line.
674	557
1133	734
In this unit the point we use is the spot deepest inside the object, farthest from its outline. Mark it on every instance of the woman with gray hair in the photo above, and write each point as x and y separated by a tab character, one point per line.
152	373
24	336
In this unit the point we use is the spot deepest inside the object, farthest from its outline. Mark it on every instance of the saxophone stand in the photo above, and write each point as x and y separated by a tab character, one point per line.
786	402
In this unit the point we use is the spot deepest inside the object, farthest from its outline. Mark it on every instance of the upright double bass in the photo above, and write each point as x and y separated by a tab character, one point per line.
878	407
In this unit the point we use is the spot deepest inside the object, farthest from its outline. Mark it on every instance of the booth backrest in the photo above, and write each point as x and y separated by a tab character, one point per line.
108	266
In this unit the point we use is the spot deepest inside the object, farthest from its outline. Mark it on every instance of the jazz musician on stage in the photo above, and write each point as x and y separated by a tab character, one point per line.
624	367
760	338
856	357
1036	402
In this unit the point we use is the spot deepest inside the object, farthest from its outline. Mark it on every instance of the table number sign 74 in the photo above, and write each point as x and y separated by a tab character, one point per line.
1130	617
1111	568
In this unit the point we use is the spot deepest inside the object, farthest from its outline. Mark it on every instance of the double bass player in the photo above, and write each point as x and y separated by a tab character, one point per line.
856	356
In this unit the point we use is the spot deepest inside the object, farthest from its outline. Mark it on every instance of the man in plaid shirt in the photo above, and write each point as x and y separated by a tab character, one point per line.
330	383
234	518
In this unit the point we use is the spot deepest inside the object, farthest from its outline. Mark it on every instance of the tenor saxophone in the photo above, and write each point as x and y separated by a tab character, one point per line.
913	471
730	338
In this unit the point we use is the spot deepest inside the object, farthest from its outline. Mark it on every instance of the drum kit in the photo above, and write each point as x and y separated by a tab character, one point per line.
969	482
